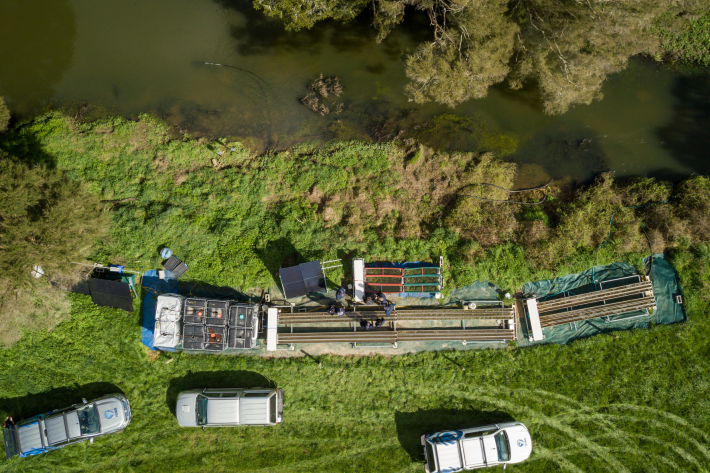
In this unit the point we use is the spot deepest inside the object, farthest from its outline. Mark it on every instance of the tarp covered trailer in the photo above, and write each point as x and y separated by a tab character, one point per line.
201	324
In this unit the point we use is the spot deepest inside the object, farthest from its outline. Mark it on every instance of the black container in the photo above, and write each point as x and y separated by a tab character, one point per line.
240	337
241	316
215	338
216	314
193	337
192	311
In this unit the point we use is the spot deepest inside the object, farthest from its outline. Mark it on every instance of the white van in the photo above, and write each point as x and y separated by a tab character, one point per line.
479	447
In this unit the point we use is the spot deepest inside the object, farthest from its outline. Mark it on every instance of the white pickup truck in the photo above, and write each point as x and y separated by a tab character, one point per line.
229	407
479	447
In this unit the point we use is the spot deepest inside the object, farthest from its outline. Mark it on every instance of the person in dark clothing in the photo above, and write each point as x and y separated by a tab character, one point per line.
389	308
8	422
340	293
365	324
340	312
379	322
381	299
368	301
331	309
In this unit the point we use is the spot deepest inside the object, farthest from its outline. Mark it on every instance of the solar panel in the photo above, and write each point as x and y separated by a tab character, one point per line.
115	294
312	275
292	282
175	266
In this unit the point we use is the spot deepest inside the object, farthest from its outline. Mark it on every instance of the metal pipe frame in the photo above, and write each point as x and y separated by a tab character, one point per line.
596	297
605	310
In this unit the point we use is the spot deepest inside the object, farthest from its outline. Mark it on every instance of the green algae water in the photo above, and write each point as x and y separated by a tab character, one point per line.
127	57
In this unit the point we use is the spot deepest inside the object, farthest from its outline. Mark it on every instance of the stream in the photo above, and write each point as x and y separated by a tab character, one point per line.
127	57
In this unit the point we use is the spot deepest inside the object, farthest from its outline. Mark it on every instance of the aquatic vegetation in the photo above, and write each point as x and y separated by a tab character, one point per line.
454	132
322	88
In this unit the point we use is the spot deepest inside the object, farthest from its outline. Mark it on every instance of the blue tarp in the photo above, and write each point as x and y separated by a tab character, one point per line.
154	286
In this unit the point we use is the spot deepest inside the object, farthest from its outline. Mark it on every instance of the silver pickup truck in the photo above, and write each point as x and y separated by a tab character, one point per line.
478	447
229	407
61	427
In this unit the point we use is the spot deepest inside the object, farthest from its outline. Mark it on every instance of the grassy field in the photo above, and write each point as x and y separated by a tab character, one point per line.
632	401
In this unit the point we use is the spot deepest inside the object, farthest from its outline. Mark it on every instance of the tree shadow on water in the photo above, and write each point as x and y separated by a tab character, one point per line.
214	380
261	34
686	135
59	398
412	425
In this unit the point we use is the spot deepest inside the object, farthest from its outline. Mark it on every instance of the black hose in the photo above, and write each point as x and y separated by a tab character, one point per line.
263	92
506	201
508	191
650	248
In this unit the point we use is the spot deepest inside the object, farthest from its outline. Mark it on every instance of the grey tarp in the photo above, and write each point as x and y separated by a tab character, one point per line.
665	287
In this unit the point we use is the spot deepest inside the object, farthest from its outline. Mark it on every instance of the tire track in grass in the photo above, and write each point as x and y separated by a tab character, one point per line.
542	453
615	432
600	452
573	449
657	424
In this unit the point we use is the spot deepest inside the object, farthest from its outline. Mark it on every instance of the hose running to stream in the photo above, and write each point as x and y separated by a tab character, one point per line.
259	81
509	191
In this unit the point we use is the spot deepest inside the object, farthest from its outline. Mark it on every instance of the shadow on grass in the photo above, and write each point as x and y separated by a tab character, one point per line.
279	253
59	398
203	289
214	380
412	425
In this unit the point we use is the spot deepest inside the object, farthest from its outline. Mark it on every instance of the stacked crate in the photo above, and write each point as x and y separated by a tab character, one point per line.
193	319
241	326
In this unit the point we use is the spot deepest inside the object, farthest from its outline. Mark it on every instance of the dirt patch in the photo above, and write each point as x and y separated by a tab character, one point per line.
107	130
162	163
153	355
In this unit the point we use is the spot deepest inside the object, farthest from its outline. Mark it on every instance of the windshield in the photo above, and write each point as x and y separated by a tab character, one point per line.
88	420
430	457
272	409
201	410
502	446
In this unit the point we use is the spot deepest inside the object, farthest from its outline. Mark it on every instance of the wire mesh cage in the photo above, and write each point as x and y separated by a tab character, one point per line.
216	314
193	337
195	311
215	338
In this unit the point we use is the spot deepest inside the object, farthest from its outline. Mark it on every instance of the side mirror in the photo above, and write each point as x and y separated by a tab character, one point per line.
83	399
203	428
505	465
91	440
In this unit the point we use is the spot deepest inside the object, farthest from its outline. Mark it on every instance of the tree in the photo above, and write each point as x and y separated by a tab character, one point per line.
299	14
473	44
46	220
4	115
569	48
